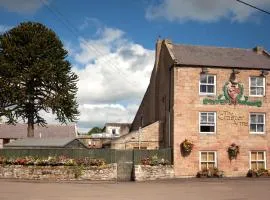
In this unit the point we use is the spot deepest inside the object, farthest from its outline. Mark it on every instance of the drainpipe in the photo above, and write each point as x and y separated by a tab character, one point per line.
170	92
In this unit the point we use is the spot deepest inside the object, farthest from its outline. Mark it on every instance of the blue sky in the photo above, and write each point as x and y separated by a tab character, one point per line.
111	43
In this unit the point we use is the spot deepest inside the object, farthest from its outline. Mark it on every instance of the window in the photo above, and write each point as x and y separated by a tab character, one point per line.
257	122
113	131
256	86
207	84
208	160
257	160
207	122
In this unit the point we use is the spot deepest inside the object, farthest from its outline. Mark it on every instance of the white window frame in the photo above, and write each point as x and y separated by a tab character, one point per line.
264	125
200	160
252	95
264	160
215	122
215	85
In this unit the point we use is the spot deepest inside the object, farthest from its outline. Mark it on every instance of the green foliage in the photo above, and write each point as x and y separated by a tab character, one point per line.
35	76
154	161
53	161
95	130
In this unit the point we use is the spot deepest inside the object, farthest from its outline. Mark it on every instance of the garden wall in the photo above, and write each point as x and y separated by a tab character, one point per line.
61	173
148	172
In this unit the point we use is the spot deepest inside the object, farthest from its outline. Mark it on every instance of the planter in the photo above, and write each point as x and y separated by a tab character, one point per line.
233	151
186	147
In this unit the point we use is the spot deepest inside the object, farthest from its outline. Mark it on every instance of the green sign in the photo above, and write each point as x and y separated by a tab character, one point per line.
232	94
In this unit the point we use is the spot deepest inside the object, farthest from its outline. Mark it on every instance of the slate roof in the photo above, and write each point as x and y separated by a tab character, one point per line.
220	57
118	124
41	142
51	131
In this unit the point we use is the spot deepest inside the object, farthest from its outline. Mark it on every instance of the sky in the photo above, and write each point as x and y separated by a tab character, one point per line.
111	44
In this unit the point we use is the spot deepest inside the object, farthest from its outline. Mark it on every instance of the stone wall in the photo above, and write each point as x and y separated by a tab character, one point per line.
147	172
63	173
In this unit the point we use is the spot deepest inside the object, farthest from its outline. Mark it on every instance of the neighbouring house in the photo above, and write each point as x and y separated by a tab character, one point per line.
213	98
9	133
112	131
117	129
46	143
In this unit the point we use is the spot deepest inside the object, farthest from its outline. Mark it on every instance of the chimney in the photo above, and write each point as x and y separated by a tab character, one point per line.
259	50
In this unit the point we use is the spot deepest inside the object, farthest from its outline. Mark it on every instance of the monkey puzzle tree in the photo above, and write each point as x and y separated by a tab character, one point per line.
35	76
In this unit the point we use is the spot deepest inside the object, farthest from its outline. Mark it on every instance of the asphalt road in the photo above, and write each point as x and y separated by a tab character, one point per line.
181	189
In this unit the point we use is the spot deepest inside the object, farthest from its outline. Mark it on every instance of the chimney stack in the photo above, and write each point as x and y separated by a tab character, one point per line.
259	50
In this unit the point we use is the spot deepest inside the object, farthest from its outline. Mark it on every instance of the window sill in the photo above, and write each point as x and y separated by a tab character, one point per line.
207	94
207	133
257	133
259	96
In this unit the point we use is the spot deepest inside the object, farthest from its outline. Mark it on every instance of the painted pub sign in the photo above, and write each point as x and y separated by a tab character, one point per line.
233	93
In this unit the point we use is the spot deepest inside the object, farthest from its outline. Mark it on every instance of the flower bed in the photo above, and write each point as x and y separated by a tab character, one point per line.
52	161
154	161
258	173
210	173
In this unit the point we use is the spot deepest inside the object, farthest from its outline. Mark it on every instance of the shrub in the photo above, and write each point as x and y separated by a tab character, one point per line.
258	173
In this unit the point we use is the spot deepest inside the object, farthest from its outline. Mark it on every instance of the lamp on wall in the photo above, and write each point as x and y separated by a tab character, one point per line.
235	71
264	72
204	70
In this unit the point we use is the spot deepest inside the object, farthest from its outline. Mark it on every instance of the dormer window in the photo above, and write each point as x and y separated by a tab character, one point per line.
207	84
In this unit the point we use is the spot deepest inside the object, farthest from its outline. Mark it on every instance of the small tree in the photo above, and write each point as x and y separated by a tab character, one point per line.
95	130
35	76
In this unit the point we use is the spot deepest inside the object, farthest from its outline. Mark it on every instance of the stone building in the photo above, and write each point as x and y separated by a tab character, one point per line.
111	131
214	97
117	129
145	138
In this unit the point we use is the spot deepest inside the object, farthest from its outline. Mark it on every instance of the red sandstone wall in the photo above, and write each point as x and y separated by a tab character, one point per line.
188	104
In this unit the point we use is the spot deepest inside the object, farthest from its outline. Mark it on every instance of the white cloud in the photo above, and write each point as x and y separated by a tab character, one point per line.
4	28
115	69
203	10
98	115
90	22
113	75
20	6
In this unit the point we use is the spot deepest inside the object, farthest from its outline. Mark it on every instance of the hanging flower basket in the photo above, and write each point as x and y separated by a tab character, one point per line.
233	151
186	147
